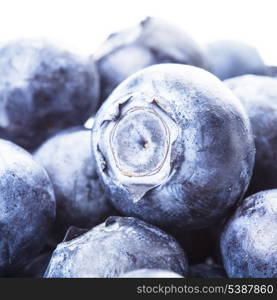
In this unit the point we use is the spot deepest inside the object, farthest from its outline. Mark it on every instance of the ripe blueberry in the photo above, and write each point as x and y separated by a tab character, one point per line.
80	199
152	41
27	208
231	58
118	246
43	89
258	95
173	146
248	242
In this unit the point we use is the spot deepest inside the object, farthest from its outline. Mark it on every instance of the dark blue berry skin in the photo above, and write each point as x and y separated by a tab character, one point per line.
151	273
232	58
206	270
115	247
43	89
173	147
27	208
248	242
258	95
81	201
152	41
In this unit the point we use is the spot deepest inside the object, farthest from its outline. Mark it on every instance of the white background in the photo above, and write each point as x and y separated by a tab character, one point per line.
84	24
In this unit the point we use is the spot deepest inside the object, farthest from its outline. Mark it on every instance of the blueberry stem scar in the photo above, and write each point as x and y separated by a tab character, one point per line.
163	142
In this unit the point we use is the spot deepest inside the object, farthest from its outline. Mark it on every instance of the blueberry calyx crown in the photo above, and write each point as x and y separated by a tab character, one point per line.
136	141
144	138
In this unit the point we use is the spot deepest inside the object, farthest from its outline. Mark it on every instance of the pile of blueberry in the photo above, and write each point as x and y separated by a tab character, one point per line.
153	158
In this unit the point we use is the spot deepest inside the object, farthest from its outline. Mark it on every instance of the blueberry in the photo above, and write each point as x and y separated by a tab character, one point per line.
27	208
248	242
173	146
152	41
258	94
207	270
115	247
232	58
80	199
43	89
151	273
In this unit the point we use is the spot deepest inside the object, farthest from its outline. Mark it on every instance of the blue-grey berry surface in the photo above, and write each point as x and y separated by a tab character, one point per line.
152	41
43	89
27	208
151	273
258	94
173	146
117	246
248	242
230	58
81	201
